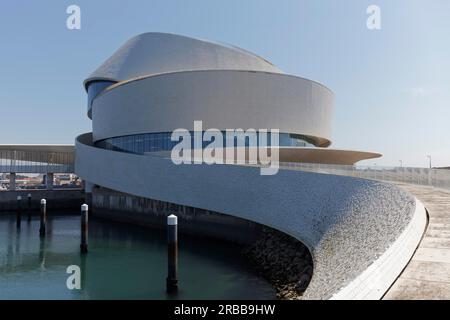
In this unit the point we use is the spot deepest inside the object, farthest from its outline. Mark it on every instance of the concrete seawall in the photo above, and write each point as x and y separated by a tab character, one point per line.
128	208
56	199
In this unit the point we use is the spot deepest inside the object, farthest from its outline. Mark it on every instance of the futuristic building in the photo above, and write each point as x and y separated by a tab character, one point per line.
156	83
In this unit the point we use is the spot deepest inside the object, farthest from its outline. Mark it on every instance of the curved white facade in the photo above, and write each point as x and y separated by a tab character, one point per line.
160	82
221	99
157	83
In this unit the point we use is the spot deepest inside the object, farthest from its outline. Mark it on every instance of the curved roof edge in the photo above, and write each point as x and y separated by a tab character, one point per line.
325	156
156	52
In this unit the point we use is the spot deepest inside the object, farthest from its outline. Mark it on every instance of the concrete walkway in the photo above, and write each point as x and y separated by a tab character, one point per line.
427	276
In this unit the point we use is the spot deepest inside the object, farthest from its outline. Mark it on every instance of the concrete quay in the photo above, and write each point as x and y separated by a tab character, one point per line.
56	199
427	276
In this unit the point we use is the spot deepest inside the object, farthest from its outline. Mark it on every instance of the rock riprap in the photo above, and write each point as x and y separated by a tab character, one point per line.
282	260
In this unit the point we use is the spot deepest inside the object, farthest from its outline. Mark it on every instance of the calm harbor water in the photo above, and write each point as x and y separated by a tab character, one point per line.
124	262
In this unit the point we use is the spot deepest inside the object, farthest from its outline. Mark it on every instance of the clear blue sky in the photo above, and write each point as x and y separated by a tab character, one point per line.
392	86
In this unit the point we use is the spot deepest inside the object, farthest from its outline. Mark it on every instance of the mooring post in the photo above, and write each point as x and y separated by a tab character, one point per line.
29	207
172	254
84	228
19	214
43	217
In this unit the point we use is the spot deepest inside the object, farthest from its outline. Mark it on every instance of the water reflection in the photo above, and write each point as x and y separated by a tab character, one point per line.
42	252
123	262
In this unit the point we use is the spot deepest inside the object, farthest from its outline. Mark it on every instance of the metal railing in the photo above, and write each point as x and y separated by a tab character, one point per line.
36	161
439	178
38	168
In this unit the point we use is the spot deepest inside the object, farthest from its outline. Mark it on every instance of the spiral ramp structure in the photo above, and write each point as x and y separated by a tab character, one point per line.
361	233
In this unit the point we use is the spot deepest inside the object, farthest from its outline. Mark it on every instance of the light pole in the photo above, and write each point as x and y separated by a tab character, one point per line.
401	163
429	157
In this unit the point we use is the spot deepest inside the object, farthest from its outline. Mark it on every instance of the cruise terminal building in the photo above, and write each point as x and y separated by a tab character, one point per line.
360	233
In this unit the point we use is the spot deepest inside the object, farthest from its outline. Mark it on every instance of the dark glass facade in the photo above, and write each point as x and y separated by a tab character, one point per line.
155	142
94	89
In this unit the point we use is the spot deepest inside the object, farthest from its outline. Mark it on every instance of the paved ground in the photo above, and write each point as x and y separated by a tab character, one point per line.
427	276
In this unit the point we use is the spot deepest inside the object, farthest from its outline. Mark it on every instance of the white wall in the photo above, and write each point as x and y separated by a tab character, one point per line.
221	99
